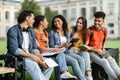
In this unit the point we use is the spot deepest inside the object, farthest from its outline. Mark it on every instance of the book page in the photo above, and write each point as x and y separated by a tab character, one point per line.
50	63
48	53
84	47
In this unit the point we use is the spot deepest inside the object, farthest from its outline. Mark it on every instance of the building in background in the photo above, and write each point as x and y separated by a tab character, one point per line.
119	17
72	9
8	14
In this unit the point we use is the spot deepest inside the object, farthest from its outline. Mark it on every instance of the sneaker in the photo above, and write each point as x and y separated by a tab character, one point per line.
89	78
67	75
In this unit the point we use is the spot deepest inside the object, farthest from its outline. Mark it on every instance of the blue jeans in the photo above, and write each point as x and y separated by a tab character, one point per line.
35	72
77	63
86	58
60	59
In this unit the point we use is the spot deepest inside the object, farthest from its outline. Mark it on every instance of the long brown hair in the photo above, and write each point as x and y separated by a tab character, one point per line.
84	22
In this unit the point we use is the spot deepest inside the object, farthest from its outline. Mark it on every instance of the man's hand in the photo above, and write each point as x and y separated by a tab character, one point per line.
35	58
40	56
101	52
43	64
39	59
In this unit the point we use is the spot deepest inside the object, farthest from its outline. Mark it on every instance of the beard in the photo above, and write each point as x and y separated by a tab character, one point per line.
97	25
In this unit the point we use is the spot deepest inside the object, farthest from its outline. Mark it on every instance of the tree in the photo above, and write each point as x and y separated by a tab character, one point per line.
49	14
31	5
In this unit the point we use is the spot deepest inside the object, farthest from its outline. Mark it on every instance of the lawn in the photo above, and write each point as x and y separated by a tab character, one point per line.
110	44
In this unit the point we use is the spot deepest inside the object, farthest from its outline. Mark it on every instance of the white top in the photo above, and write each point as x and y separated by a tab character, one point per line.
63	39
25	44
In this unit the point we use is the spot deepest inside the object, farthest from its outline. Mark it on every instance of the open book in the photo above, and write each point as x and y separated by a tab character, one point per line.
48	54
50	63
84	47
45	54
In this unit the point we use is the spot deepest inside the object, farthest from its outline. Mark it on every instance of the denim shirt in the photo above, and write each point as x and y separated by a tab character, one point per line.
15	40
54	38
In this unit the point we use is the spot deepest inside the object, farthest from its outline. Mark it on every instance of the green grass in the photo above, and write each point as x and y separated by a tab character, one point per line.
113	44
3	46
110	44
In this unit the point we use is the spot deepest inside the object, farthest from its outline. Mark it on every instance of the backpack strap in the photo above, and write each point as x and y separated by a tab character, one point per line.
92	33
103	30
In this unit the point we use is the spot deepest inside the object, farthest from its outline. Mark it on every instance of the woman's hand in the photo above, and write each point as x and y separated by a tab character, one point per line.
44	38
57	50
67	44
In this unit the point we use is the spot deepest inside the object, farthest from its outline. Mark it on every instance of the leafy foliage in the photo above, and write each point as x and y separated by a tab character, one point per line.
31	5
49	14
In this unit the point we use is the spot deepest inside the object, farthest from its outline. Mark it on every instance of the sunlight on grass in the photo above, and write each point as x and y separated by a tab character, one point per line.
110	44
113	44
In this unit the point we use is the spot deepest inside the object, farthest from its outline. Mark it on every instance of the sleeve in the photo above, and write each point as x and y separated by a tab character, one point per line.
68	37
70	30
35	48
106	32
12	42
51	40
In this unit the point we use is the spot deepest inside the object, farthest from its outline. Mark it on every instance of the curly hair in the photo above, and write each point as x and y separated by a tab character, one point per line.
64	26
100	14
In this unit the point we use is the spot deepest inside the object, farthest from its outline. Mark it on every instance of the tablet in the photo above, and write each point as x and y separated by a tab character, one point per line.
74	40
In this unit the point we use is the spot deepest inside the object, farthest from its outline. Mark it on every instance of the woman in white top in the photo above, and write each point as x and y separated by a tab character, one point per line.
59	37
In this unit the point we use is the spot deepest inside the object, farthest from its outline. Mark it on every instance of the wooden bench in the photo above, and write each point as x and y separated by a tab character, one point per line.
4	70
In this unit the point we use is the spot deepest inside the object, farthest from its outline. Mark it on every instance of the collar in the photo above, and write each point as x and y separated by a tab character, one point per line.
25	29
96	28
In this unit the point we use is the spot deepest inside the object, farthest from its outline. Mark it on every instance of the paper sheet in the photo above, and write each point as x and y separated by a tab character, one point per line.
48	53
50	62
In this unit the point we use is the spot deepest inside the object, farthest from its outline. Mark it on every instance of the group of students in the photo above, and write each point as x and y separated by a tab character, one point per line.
30	39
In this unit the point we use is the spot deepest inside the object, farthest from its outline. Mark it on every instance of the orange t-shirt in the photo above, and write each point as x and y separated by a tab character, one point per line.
97	38
38	38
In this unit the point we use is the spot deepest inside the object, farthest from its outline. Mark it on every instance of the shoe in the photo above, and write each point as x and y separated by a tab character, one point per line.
89	78
119	76
67	75
117	79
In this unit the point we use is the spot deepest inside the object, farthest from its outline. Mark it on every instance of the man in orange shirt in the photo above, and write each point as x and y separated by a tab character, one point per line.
98	42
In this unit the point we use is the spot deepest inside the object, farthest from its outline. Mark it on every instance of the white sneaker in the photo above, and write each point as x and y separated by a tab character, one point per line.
67	75
89	78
